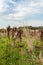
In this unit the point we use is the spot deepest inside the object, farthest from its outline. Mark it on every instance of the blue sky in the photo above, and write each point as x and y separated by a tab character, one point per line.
21	12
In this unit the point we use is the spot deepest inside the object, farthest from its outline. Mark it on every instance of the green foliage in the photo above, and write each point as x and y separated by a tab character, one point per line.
15	53
37	42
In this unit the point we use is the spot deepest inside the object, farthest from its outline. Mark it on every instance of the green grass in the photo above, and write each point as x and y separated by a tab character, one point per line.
37	42
15	53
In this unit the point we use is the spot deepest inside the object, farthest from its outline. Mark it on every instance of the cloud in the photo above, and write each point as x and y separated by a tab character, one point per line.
22	10
19	15
2	6
19	10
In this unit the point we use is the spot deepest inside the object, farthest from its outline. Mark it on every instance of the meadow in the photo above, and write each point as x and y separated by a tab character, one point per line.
21	48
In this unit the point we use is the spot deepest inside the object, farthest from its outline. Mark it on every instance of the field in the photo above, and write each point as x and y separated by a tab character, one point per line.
24	49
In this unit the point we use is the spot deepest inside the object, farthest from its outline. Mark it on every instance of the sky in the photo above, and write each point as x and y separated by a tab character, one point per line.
21	13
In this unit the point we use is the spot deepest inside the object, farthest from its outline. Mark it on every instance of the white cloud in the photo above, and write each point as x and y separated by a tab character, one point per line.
27	8
23	10
30	7
2	6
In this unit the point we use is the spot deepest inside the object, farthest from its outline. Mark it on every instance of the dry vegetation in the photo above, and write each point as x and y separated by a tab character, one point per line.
21	46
